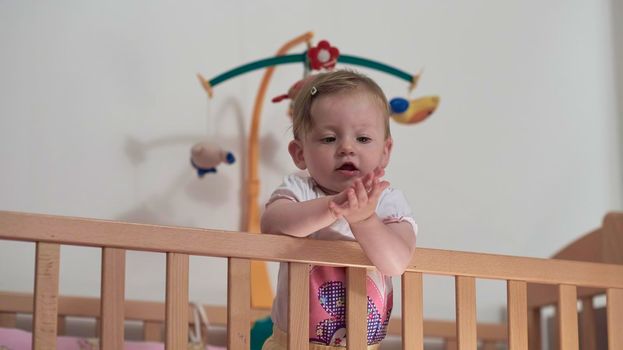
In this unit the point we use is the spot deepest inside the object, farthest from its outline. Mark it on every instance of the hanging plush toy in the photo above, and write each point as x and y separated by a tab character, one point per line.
205	157
291	94
412	111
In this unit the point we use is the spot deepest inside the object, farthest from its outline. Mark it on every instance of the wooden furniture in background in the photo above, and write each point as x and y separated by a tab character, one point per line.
603	245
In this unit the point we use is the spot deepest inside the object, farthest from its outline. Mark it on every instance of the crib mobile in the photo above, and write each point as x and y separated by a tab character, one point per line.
206	157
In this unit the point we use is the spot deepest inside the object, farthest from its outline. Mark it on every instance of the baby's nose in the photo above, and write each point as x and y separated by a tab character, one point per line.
346	148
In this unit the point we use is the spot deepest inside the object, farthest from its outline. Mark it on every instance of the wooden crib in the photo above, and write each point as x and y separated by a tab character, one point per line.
49	232
150	317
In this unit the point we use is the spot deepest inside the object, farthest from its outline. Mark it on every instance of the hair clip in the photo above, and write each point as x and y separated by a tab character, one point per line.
313	90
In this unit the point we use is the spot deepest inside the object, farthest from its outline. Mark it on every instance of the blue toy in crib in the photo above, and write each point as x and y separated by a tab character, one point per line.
205	157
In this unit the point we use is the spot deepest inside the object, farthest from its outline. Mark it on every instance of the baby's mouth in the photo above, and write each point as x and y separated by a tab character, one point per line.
348	168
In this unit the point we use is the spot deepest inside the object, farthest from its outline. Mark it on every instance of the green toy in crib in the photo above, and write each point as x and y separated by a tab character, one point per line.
261	330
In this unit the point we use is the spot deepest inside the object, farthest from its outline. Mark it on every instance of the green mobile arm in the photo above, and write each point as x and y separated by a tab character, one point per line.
296	58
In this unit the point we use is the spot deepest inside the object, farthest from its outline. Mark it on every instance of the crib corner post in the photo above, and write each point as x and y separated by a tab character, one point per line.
588	330
534	328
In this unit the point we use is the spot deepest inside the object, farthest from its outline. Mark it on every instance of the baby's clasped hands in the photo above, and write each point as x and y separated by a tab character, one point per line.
358	202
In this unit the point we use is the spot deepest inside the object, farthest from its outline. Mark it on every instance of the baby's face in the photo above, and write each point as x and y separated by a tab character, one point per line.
347	140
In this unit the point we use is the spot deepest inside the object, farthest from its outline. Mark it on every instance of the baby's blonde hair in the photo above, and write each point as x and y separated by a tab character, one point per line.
329	83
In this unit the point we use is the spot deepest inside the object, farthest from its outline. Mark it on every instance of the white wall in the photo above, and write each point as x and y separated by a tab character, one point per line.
99	106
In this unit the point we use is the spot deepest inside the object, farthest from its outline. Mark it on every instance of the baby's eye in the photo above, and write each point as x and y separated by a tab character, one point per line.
364	139
328	139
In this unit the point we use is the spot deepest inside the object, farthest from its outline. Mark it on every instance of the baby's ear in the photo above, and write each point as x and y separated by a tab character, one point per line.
387	151
295	147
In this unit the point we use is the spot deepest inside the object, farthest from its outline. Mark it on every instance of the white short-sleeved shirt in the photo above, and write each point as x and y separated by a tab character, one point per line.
327	284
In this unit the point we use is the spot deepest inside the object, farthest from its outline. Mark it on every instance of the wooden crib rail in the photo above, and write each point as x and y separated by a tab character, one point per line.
218	243
178	243
151	314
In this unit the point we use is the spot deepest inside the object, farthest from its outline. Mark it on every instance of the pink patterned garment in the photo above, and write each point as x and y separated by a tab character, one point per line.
327	307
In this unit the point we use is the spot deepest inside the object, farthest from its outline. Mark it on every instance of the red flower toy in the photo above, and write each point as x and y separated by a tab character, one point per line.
323	56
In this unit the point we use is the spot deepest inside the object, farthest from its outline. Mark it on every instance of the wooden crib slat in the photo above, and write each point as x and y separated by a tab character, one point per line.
298	306
568	317
238	304
176	304
60	324
356	309
614	299
466	312
112	298
152	331
8	319
517	295
534	328
451	344
412	311
46	296
489	346
588	335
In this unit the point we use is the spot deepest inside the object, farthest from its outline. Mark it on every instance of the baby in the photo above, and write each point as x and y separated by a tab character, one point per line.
342	140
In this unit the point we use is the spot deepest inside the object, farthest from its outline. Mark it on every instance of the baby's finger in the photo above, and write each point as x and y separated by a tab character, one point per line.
368	181
336	210
377	189
379	172
362	193
352	199
372	177
341	197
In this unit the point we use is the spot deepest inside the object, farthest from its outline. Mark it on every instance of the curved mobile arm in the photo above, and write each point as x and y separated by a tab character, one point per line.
294	58
360	61
266	62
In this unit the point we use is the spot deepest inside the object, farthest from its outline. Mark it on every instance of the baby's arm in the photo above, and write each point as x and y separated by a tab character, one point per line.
299	219
388	246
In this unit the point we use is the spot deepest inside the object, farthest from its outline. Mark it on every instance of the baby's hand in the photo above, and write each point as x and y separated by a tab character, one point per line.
358	202
368	180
